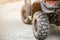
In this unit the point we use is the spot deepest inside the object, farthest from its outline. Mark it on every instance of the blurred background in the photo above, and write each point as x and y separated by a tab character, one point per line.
6	1
11	25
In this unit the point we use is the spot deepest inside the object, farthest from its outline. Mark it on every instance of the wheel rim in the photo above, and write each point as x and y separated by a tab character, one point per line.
24	18
35	29
35	25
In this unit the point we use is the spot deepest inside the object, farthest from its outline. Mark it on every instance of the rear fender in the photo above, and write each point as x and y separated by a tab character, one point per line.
46	10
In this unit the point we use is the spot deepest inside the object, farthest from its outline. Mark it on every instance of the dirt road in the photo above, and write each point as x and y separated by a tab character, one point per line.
11	26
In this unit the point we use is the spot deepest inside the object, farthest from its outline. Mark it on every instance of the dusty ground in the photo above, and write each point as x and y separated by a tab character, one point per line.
7	1
11	26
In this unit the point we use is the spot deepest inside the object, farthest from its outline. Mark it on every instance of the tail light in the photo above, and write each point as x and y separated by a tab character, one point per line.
51	2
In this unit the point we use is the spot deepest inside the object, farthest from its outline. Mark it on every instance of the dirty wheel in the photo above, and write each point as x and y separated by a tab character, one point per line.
23	15
40	25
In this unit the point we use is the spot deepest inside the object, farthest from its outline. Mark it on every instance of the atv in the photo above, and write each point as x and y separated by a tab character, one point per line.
40	14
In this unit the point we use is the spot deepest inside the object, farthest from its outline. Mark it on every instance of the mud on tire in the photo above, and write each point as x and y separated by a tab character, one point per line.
23	16
40	25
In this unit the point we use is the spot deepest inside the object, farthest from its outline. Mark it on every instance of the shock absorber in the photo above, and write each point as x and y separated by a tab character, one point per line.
28	8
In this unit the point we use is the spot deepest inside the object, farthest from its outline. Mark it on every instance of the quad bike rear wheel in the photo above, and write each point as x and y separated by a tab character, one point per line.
23	15
40	25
